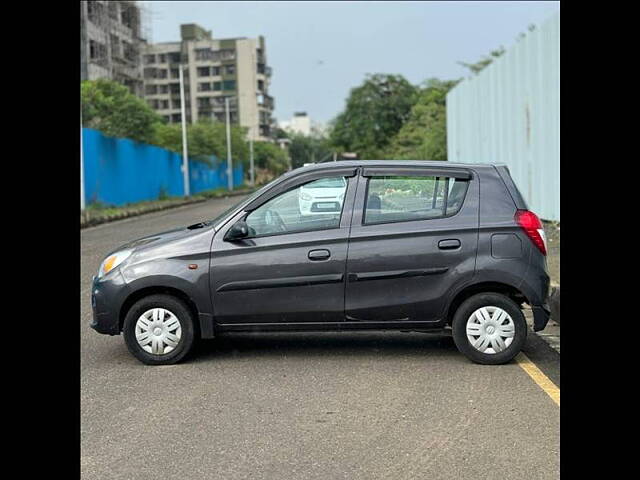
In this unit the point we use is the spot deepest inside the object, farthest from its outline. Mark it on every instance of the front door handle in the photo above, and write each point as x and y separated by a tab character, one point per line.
449	244
319	254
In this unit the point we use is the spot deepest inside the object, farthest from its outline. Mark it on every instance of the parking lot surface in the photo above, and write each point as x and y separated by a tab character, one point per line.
306	405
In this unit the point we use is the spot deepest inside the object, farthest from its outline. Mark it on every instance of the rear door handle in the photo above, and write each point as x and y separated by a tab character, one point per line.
449	244
319	254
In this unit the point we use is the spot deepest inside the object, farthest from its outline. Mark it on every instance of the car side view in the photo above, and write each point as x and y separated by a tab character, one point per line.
400	245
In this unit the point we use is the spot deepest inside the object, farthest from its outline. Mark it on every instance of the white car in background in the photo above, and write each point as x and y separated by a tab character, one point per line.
324	196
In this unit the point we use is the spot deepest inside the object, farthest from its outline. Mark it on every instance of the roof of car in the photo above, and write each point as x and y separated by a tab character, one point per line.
393	163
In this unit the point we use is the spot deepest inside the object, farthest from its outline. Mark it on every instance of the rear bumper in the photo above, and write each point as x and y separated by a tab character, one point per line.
541	315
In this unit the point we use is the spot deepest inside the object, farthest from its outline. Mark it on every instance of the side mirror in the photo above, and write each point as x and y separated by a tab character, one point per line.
237	231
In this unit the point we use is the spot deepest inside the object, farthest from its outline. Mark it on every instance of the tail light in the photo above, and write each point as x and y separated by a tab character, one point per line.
532	226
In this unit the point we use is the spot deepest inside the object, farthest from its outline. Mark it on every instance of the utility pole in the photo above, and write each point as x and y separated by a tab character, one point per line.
229	161
81	167
185	158
252	170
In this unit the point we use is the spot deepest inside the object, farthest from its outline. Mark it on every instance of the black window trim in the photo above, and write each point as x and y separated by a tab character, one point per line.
364	222
391	171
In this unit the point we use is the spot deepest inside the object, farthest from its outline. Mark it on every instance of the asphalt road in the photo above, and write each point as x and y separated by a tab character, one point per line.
306	406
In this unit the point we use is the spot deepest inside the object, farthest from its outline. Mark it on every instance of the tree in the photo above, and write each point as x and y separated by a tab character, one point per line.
111	108
484	62
204	138
424	135
269	156
374	113
308	149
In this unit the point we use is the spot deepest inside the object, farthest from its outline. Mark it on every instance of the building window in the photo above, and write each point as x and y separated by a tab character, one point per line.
129	51
153	104
203	53
204	102
174	88
230	69
149	59
229	85
227	54
261	85
162	58
215	71
174	57
97	50
217	86
176	117
151	89
175	103
95	12
204	87
164	88
203	71
162	73
175	73
164	104
113	10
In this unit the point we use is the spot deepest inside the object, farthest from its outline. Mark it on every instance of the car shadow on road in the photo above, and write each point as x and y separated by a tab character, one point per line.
305	344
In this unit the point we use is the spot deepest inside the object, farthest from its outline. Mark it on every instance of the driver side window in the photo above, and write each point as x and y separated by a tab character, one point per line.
316	205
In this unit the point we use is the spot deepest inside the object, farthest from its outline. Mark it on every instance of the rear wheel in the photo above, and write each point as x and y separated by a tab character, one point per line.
489	328
158	330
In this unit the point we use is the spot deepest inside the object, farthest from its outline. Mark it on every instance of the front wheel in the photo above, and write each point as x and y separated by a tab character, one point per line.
489	328
158	330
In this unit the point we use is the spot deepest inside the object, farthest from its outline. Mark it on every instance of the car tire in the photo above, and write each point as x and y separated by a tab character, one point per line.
156	316
494	323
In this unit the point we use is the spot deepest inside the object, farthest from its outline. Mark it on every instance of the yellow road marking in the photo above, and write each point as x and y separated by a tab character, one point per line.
540	378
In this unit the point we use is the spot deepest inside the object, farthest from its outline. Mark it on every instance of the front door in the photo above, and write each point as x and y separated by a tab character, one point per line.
413	238
291	267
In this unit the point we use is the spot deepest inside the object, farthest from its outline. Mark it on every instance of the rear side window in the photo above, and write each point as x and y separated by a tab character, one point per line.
403	199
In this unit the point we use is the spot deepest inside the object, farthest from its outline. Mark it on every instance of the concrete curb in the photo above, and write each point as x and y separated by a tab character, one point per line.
86	222
554	303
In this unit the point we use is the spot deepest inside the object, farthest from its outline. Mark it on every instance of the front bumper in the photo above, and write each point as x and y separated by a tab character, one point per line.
107	296
541	315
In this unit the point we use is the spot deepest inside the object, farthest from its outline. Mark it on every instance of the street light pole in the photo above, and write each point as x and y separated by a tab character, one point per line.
185	158
229	161
251	171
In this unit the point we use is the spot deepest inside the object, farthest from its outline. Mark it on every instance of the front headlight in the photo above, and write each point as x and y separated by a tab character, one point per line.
112	261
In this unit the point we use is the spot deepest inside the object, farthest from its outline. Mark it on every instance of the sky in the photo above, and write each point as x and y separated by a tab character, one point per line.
320	50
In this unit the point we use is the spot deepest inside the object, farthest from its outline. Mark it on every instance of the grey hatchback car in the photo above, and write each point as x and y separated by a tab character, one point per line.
340	246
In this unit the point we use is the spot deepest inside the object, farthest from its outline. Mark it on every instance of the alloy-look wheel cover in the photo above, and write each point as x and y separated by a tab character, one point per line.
158	331
490	330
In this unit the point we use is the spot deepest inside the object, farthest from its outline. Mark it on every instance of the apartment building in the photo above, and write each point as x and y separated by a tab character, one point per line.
214	70
299	124
110	42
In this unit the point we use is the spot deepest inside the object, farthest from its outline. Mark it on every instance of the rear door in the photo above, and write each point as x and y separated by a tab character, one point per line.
413	238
